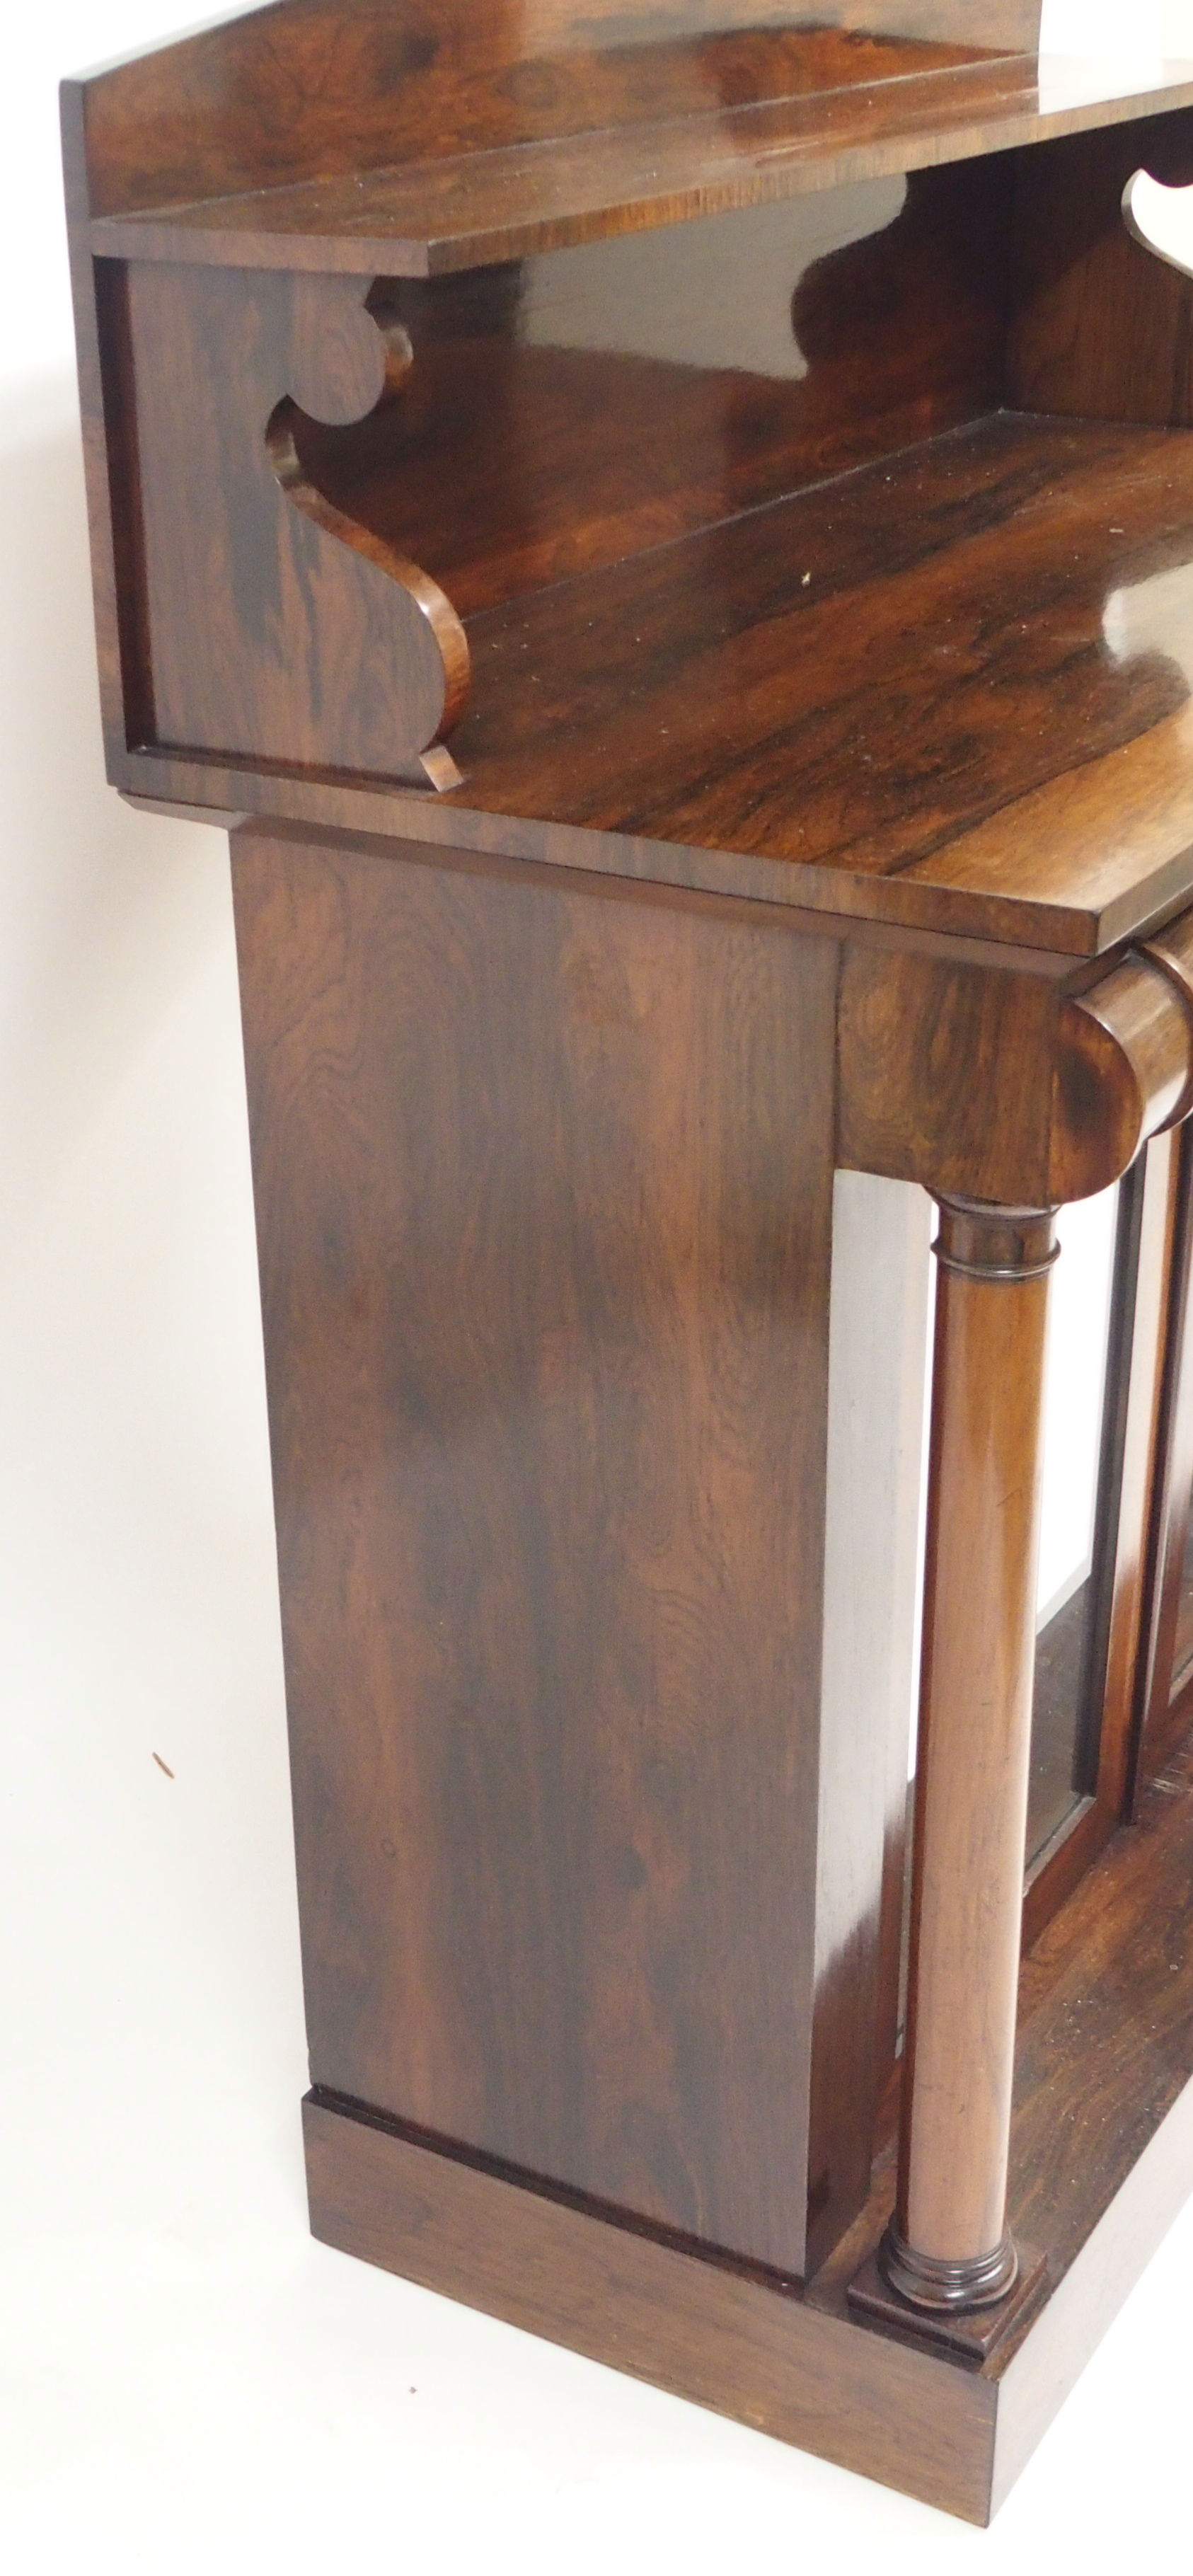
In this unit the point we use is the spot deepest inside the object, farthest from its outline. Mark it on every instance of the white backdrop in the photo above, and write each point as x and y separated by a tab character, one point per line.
188	2382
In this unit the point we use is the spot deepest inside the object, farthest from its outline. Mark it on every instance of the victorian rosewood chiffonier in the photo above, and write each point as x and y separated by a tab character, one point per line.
665	532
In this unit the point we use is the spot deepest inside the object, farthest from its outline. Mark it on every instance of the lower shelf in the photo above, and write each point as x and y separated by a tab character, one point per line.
1102	2159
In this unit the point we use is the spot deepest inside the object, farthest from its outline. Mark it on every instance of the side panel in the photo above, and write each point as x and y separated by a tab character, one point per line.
544	1183
274	629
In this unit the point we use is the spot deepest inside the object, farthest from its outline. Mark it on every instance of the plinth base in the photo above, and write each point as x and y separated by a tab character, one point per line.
975	2334
952	2427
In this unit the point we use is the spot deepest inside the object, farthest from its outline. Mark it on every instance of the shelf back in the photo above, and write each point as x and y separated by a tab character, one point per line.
325	88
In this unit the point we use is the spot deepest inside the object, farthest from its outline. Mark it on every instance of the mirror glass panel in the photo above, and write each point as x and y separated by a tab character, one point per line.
1074	1420
1182	1660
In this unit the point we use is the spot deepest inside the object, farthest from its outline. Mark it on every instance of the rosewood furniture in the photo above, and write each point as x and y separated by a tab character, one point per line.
667	536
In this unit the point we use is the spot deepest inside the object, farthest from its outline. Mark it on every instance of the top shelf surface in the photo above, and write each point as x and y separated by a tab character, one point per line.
950	690
465	210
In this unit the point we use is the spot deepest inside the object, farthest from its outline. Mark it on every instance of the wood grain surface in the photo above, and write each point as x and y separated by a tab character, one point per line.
1099	328
469	143
945	1073
544	1194
199	117
779	622
984	1488
1102	1991
568	410
904	676
706	715
432	218
273	625
708	2332
756	682
1101	2158
1123	1071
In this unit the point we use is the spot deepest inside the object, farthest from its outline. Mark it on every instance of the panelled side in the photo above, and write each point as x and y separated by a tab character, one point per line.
544	1186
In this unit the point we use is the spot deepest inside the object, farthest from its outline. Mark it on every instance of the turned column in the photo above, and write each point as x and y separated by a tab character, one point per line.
947	2246
1115	1063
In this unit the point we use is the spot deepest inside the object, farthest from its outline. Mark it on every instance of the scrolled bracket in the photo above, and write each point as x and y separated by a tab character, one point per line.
1160	219
1124	1065
352	362
277	627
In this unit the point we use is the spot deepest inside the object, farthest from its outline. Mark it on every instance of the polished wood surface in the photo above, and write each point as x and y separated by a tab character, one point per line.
775	740
470	136
274	626
778	488
639	390
428	219
974	1744
1124	1070
1171	949
545	1232
969	1078
1101	2158
471	143
1098	328
365	89
1102	2007
773	705
709	2332
709	662
944	1073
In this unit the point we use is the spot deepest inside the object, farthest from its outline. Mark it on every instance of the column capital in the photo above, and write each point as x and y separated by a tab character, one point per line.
981	1241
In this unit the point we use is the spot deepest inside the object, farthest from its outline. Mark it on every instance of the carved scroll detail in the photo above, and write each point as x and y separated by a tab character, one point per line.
1124	1067
278	629
1161	220
436	680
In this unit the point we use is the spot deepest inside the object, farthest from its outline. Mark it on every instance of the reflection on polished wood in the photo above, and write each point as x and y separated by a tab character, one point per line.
638	391
193	119
774	738
603	141
773	706
343	649
909	702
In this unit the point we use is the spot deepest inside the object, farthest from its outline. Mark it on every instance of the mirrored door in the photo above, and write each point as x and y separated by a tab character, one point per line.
1116	1288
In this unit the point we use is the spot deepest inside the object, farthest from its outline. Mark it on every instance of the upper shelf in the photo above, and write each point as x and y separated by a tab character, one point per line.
949	692
410	137
427	217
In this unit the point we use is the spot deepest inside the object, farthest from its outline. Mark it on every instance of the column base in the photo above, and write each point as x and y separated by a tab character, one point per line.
973	2332
979	2282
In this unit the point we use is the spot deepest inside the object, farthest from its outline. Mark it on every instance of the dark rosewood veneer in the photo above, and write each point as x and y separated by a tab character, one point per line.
668	540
